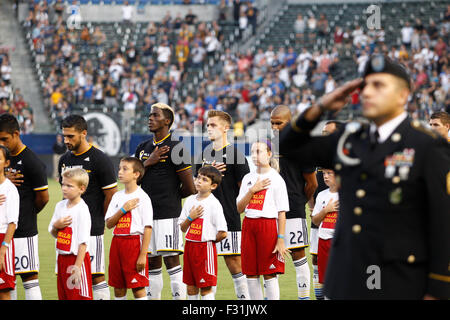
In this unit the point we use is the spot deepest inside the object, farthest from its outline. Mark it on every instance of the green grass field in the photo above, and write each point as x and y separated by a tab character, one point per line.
47	256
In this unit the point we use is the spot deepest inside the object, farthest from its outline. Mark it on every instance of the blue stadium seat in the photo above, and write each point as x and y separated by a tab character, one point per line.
177	1
166	1
119	2
95	1
108	2
155	2
132	2
144	2
84	1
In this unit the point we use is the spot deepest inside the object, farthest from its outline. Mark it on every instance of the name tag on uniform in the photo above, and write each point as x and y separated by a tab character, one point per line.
257	201
123	226
64	239
195	230
399	161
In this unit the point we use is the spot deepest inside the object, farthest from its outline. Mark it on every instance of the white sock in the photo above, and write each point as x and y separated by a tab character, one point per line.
155	284
317	285
100	291
254	289
121	298
176	283
241	286
32	290
13	294
303	278
214	289
143	298
193	297
209	296
272	289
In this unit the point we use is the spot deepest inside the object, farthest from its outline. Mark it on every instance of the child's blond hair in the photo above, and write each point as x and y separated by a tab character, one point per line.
79	175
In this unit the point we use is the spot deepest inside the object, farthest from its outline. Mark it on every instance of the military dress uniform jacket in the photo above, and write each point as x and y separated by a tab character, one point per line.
392	233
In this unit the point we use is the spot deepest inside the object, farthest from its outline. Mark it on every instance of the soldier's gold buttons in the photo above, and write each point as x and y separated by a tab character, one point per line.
396	179
396	137
360	193
411	258
356	228
338	166
357	211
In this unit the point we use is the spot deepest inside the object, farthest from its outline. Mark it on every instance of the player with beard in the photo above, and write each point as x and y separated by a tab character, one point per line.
102	186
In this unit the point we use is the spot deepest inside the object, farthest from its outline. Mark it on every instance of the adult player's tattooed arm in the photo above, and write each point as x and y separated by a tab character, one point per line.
311	184
187	183
41	199
108	195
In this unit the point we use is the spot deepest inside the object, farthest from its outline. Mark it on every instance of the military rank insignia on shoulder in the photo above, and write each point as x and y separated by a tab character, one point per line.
420	127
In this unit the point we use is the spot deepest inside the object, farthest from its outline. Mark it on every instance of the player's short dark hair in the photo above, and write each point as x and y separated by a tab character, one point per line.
6	152
74	121
8	123
137	166
443	116
212	173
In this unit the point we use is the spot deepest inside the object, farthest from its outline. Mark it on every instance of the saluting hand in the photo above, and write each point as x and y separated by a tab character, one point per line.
156	156
338	98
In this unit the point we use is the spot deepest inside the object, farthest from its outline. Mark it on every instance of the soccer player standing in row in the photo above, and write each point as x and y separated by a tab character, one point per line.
29	175
167	179
233	166
301	184
102	186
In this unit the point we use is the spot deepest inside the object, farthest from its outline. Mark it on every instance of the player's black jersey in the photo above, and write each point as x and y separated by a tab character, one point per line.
101	177
161	181
292	174
228	190
34	179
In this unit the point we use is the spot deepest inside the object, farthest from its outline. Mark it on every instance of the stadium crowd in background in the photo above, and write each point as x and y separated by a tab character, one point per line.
11	98
247	85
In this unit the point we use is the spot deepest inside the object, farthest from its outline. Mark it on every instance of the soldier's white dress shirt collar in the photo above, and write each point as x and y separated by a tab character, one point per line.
386	129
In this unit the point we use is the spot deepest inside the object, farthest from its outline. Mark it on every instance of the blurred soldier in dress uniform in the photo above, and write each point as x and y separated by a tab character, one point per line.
391	239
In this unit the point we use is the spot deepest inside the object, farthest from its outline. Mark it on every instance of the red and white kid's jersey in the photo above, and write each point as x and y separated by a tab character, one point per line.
9	210
326	228
268	202
78	232
206	227
134	221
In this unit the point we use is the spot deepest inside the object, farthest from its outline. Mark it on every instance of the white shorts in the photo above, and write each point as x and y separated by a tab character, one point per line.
314	241
231	245
26	258
96	253
167	238
296	233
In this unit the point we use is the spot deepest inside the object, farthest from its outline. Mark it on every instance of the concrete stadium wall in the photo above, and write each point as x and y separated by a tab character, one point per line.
103	13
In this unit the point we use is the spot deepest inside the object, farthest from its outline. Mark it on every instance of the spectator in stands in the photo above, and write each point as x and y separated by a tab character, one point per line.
312	25
299	27
252	16
407	32
322	27
190	19
164	53
198	54
127	14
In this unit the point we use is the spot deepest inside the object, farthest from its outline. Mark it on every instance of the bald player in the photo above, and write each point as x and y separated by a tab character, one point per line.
301	184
